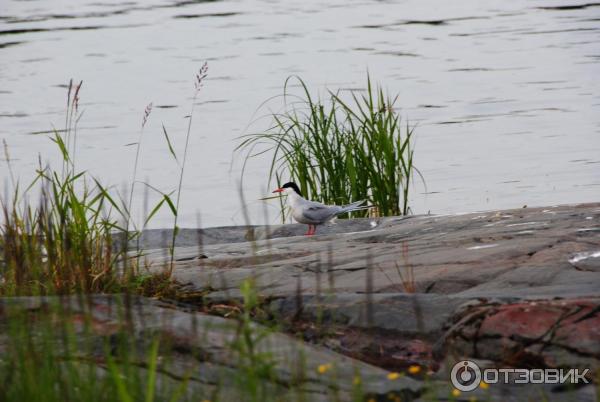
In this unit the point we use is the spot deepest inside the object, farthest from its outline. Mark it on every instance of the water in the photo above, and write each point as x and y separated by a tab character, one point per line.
506	95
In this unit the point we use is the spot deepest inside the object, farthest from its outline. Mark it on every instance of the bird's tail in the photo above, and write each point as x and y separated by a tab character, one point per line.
355	206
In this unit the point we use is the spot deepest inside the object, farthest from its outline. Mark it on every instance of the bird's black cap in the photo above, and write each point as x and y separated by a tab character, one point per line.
294	186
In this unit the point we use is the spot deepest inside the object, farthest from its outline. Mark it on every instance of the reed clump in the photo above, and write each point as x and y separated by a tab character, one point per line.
339	151
63	243
76	238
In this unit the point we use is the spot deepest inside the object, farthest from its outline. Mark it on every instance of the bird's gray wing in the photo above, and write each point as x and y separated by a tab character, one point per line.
319	213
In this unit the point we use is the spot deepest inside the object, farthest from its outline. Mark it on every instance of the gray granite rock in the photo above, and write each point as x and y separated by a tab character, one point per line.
518	253
202	347
390	291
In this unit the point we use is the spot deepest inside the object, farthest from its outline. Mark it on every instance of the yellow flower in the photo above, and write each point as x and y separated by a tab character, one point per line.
393	376
455	393
323	368
356	380
414	369
484	385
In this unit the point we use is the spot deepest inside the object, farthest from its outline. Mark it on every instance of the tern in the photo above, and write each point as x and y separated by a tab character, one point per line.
313	213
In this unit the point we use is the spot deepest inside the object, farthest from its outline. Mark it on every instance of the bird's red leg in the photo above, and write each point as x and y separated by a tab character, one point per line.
308	233
314	229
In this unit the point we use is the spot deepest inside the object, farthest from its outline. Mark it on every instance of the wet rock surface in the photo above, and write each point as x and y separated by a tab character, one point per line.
517	288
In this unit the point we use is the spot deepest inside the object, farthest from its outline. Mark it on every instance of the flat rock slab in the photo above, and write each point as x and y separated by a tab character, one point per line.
394	331
525	253
401	313
200	346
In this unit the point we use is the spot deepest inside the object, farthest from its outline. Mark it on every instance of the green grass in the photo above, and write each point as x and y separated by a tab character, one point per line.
58	356
339	151
59	350
63	243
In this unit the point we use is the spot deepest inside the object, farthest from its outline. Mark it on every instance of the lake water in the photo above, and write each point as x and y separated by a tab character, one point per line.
506	95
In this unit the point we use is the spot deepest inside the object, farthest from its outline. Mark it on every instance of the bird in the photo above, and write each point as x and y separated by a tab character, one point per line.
313	213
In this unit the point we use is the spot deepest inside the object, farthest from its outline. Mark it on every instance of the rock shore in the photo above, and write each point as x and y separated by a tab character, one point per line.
516	288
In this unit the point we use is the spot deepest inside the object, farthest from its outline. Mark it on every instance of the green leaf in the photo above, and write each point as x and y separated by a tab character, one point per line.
116	375
170	204
154	211
171	150
153	359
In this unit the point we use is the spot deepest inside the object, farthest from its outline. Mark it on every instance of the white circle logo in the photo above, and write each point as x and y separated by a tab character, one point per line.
465	375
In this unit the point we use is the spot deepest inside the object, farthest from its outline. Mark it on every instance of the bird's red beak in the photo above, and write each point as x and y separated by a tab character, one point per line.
279	190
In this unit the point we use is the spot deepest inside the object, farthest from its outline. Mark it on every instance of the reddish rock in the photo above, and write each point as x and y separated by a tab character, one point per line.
528	320
547	333
581	330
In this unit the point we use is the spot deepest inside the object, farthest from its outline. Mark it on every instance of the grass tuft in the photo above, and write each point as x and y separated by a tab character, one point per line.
62	244
339	151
